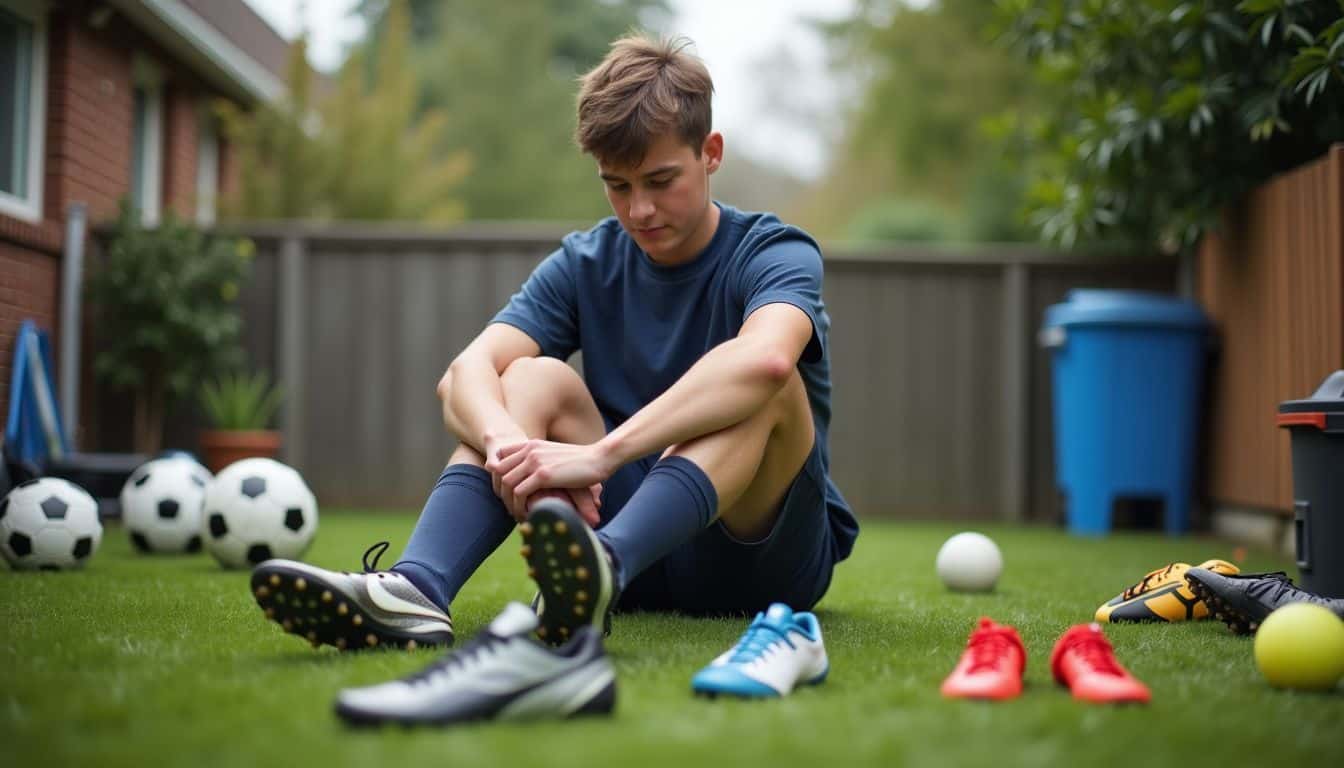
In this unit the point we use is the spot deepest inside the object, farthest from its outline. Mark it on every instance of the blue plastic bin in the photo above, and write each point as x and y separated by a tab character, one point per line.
1127	372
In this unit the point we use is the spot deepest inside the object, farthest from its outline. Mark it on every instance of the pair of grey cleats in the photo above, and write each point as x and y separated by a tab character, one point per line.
1243	601
547	661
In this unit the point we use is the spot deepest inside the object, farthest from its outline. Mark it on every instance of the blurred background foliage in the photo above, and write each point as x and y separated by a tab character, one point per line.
964	120
1162	112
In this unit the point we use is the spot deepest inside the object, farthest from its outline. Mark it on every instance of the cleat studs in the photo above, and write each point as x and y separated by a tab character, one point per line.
578	610
550	546
575	551
340	643
357	620
280	598
552	562
411	645
370	639
270	613
263	591
581	573
532	573
326	596
545	529
541	632
526	551
341	609
300	584
312	638
564	631
275	579
288	625
525	529
561	528
581	596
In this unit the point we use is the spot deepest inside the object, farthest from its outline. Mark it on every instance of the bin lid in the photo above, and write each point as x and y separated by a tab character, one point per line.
1327	400
1101	307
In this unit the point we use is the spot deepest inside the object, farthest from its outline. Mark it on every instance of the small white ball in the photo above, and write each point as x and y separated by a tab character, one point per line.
969	562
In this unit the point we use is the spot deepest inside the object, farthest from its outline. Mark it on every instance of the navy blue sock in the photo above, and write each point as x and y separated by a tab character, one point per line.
674	503
462	523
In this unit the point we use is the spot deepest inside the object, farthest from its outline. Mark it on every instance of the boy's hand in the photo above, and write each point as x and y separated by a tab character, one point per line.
527	467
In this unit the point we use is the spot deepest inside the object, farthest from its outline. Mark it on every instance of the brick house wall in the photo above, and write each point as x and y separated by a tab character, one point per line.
87	158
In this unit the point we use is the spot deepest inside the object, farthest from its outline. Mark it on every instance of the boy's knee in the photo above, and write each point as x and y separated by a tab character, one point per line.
533	370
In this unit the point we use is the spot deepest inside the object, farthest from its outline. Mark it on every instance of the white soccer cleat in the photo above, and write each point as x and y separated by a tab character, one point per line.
779	651
502	674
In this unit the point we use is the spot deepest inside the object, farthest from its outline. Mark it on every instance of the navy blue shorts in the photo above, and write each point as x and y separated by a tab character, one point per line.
715	573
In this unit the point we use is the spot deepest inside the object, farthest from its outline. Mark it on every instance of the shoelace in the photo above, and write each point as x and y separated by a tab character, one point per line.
377	551
1097	653
1142	586
484	643
987	647
1270	585
758	637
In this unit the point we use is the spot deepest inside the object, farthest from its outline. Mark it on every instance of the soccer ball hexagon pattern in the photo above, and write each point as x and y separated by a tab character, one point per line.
161	505
257	509
50	524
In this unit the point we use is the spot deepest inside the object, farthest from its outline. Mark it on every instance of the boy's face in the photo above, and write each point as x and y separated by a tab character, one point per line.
664	202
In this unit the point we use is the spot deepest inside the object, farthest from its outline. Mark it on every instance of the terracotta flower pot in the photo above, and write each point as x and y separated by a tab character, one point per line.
222	447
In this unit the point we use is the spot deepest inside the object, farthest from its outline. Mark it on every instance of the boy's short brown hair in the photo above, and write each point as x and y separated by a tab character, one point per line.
644	88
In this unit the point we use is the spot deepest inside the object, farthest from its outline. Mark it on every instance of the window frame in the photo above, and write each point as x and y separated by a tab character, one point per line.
29	206
207	175
146	182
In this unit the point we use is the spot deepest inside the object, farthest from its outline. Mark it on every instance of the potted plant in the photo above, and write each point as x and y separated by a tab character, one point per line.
164	313
240	408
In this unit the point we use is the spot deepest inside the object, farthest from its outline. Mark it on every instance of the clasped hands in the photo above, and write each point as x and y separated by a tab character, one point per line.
523	471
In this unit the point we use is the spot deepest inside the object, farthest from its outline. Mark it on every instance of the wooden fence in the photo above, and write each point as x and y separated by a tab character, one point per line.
1273	281
941	400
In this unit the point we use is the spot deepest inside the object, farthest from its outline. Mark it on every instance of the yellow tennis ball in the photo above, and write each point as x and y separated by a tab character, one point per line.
1301	646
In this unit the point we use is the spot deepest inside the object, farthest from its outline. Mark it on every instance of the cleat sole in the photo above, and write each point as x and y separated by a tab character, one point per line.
574	596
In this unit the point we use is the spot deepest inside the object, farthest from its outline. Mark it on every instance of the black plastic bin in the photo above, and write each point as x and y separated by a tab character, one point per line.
1317	427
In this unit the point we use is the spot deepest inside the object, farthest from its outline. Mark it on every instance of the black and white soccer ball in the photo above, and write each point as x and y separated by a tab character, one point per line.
161	505
257	509
49	523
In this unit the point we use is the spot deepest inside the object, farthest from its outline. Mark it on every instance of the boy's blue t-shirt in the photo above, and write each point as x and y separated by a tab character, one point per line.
641	326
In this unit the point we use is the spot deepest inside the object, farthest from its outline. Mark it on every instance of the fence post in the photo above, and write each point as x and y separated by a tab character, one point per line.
289	343
1015	392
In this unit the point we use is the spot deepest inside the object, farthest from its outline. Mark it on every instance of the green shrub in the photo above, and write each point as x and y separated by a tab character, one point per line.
163	303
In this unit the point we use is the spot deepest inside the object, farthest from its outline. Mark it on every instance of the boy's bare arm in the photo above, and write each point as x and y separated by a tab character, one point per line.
728	384
473	400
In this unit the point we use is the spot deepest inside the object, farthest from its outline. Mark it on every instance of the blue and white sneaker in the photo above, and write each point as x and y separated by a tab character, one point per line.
780	650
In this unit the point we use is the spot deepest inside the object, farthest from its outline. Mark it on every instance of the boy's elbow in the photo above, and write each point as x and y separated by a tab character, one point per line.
445	385
776	367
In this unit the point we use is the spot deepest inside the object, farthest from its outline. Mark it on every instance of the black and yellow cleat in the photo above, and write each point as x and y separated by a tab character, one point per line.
1162	595
576	584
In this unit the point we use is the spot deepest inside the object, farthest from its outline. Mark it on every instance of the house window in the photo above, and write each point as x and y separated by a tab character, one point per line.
207	168
147	142
23	86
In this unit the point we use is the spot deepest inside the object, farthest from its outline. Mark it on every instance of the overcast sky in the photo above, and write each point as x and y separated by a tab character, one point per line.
742	42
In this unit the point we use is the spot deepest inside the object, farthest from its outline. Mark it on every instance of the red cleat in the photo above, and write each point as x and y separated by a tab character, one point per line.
991	667
1084	661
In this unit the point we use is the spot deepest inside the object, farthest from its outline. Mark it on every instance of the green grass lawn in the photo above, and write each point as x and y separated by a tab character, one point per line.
167	661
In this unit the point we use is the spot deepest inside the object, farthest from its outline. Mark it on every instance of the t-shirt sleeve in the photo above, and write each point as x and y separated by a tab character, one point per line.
546	307
787	271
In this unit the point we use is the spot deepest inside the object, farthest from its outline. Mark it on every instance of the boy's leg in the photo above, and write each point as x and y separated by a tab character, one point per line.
463	521
738	475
